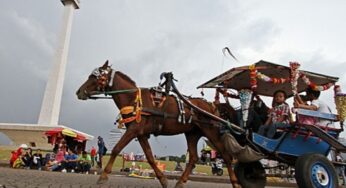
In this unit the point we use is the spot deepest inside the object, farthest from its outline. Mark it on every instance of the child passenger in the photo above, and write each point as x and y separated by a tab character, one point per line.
278	116
316	105
304	99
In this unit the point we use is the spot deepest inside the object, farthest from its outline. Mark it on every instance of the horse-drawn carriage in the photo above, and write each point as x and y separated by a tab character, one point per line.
146	111
303	146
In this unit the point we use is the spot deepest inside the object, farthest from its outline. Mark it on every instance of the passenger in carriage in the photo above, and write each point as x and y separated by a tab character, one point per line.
316	105
278	116
303	119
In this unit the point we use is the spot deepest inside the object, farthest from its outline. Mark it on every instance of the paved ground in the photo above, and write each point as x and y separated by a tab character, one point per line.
33	178
19	178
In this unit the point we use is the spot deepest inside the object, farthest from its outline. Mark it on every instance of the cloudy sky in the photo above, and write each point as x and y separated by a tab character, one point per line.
145	38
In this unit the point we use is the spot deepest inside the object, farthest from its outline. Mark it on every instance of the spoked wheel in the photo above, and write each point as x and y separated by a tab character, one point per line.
250	175
315	171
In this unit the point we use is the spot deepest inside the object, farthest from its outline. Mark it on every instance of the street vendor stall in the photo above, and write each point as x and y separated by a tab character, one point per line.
68	138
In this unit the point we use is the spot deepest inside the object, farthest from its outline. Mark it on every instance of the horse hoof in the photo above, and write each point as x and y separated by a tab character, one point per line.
179	185
102	179
237	186
164	182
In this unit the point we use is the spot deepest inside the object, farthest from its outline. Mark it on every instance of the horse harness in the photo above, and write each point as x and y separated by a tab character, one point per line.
135	112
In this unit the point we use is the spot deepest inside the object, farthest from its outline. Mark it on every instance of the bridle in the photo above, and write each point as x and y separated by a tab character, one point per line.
104	81
104	78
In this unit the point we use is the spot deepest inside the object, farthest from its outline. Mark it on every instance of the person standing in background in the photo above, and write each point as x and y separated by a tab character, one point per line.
93	155
101	150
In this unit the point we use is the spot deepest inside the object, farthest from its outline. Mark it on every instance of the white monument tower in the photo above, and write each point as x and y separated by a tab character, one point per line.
32	134
50	108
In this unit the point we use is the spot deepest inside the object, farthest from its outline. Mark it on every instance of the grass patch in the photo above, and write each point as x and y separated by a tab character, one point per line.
5	154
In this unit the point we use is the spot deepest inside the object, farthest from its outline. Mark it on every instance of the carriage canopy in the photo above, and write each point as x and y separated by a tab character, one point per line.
239	78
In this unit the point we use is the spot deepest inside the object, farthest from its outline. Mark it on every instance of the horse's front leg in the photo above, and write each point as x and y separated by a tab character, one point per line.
124	140
143	141
192	140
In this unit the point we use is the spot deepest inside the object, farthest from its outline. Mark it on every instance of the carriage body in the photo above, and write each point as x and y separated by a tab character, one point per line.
303	146
306	147
297	140
288	149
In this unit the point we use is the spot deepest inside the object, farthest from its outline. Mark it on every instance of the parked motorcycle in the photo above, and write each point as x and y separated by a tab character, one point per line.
216	167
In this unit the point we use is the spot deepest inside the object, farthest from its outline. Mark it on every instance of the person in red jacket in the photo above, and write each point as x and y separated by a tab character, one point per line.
93	155
15	155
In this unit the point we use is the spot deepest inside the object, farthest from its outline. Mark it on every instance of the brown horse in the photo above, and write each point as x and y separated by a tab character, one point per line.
143	118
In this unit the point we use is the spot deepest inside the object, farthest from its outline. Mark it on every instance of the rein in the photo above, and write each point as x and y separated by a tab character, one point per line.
114	91
128	113
171	85
121	91
134	111
102	76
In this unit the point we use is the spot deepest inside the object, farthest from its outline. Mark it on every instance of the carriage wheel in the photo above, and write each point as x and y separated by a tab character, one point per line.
315	170
250	175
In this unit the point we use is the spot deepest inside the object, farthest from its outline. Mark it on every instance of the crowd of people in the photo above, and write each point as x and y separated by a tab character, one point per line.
27	159
63	158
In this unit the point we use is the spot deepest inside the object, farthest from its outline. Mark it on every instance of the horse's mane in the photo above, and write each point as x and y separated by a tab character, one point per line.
124	76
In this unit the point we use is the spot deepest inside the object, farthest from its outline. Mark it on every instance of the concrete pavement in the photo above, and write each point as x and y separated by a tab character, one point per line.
20	178
34	178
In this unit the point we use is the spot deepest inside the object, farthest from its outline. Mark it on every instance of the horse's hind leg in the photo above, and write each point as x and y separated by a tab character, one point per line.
213	136
228	160
124	140
143	141
192	140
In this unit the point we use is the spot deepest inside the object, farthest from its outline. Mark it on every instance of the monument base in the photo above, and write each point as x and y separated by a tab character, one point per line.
31	134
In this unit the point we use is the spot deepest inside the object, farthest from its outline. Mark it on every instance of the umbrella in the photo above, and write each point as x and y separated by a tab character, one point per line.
54	131
80	137
69	132
239	78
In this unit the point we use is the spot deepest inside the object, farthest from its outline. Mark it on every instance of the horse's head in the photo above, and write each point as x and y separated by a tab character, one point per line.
97	82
